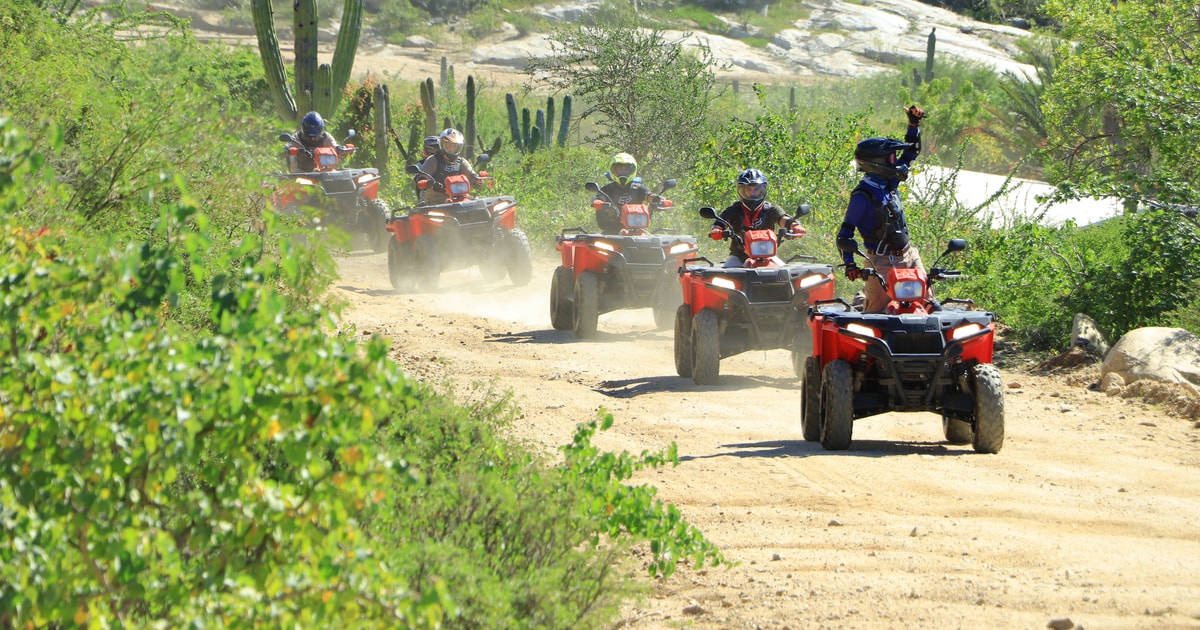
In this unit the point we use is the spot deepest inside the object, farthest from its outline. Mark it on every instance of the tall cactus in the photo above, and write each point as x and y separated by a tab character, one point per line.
429	104
930	44
317	87
564	128
469	125
383	126
514	125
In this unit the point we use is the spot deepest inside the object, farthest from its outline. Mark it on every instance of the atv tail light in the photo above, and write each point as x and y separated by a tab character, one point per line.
962	332
865	331
608	247
812	280
679	248
304	181
909	290
725	283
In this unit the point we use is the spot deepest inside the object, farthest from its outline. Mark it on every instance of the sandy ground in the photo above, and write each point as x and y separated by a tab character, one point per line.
1088	517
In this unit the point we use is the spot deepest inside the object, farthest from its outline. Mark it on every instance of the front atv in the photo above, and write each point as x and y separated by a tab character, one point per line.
935	360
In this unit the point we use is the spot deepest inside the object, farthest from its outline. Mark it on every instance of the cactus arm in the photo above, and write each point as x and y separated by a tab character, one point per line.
347	47
565	127
514	127
496	146
535	138
323	97
383	126
272	60
305	22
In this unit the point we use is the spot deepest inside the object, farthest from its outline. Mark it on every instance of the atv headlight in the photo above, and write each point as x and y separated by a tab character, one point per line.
812	280
435	213
459	188
679	248
328	159
606	246
965	331
859	329
910	290
637	220
366	178
762	249
725	283
304	181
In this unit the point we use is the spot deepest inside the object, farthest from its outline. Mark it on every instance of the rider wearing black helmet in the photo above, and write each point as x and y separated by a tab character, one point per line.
445	162
312	135
875	210
751	211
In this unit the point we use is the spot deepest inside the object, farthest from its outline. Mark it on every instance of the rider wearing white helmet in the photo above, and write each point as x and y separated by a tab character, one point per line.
447	161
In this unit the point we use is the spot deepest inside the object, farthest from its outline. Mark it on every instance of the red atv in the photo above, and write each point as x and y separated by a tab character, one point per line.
601	273
348	198
916	356
460	233
761	306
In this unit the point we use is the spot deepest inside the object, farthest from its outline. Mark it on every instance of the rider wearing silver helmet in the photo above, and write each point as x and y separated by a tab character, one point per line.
751	211
447	161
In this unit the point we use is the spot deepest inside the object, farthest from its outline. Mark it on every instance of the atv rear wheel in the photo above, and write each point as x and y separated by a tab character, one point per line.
562	313
683	341
810	401
587	304
520	257
957	431
989	409
837	402
706	348
399	263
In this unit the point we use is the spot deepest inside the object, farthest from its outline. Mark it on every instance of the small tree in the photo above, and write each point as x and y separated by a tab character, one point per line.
650	94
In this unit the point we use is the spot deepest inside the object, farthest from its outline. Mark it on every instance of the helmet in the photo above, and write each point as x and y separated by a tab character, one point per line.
877	156
623	168
451	142
752	187
431	145
312	126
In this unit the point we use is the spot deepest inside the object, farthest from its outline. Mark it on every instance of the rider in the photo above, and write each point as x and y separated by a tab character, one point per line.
875	210
624	188
751	212
312	135
428	148
445	162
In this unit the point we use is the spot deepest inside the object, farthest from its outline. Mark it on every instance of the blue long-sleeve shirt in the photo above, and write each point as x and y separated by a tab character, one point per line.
860	213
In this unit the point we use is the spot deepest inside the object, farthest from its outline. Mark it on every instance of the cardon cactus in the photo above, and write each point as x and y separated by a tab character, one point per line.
531	131
383	125
469	130
930	44
318	87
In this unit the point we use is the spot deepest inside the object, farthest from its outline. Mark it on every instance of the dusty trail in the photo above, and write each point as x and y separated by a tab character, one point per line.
1090	512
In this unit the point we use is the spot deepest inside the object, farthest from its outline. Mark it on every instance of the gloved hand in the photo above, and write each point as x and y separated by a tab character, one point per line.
853	272
716	234
915	115
797	229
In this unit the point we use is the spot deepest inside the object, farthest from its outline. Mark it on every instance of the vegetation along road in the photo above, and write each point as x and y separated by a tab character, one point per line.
1087	514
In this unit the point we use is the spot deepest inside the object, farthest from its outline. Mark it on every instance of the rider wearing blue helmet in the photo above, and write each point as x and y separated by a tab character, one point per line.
312	135
751	211
875	211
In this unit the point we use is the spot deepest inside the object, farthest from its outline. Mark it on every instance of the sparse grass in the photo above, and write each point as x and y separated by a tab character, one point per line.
701	17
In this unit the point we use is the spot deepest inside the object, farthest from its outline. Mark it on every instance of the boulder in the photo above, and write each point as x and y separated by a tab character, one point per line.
1086	334
1168	355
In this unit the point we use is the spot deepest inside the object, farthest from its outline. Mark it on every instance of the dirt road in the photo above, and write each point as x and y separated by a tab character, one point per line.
1091	512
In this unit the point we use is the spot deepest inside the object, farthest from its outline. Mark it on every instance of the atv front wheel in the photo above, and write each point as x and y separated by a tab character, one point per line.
561	308
428	271
399	264
683	341
989	409
520	257
837	402
587	304
957	431
375	224
810	401
706	348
